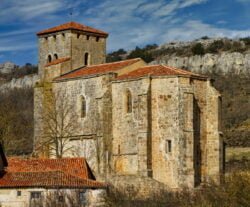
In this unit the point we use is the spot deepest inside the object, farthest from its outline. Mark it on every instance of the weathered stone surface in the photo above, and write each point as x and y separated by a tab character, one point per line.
7	67
163	129
224	62
26	81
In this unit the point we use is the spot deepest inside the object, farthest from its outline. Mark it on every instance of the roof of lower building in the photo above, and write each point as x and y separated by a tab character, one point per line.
57	61
98	69
157	70
73	26
49	173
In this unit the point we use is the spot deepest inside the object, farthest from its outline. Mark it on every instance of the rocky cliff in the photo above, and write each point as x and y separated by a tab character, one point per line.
24	82
7	67
224	62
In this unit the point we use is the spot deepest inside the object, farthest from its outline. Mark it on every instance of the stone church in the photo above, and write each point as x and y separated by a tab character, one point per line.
130	118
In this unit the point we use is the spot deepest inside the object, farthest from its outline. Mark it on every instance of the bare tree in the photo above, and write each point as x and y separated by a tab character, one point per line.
59	122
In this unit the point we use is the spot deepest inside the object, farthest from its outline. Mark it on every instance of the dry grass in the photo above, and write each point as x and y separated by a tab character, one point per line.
234	192
237	153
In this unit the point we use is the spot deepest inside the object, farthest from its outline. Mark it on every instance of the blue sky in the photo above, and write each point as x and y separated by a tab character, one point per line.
130	23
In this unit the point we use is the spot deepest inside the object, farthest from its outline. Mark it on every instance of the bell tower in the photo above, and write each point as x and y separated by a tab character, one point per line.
74	43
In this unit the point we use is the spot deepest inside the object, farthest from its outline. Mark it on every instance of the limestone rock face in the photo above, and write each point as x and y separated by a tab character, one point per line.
7	67
26	81
224	62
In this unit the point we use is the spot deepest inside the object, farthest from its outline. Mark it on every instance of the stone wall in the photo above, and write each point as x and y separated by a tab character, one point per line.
165	130
93	132
73	45
171	133
130	129
93	198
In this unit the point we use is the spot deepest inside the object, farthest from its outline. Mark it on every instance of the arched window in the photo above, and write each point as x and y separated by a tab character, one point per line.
83	107
128	102
55	56
86	59
49	59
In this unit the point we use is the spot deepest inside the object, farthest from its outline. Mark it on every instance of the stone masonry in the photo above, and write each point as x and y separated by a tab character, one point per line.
153	122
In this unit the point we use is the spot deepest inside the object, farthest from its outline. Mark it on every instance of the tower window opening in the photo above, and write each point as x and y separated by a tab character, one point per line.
83	107
78	35
119	149
168	146
54	36
128	103
49	59
86	59
87	37
97	39
55	56
63	35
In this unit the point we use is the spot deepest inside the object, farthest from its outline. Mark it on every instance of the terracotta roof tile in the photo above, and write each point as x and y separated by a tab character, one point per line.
73	26
55	62
49	179
65	172
98	69
156	70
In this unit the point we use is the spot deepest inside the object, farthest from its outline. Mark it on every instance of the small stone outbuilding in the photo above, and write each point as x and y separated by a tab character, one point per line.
49	182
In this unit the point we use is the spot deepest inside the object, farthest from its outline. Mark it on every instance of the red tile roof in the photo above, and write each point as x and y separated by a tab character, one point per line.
49	173
73	26
98	69
157	70
55	62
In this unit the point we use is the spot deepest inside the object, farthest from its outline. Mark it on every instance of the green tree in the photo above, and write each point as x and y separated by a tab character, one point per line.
198	49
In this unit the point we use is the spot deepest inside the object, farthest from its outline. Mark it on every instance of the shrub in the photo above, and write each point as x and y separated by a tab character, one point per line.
198	49
234	192
215	46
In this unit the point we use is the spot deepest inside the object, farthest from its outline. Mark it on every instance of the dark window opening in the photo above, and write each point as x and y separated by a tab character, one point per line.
87	37
83	107
36	195
97	39
86	59
63	34
49	59
60	199
168	146
119	149
78	36
55	56
54	37
19	193
128	101
82	198
46	38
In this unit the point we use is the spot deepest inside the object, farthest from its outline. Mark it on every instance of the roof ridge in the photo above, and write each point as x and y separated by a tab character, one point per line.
72	26
175	69
121	61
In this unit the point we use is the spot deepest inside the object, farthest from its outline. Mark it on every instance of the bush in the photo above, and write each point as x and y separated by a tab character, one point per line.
234	192
198	49
16	121
215	46
141	53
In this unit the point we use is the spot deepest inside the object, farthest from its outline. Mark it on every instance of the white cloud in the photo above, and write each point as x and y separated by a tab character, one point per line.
192	29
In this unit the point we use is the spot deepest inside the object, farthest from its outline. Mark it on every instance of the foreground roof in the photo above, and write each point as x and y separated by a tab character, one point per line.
73	26
49	173
98	69
157	70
